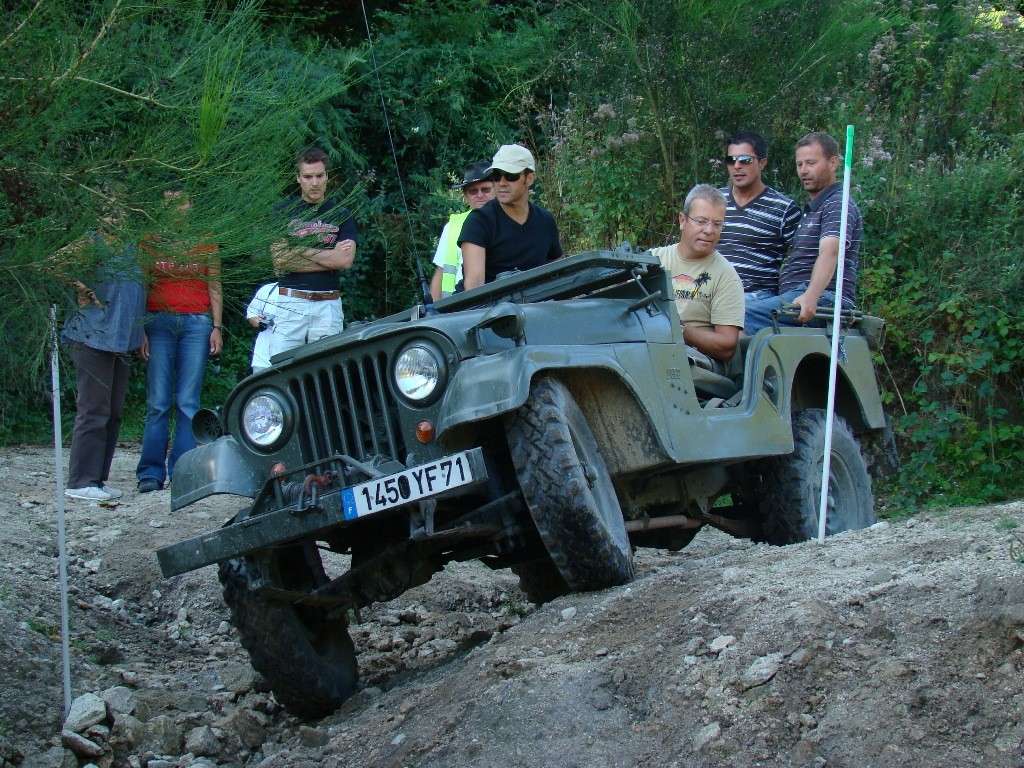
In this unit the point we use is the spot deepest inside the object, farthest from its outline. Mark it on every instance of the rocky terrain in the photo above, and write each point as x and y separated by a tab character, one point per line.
900	645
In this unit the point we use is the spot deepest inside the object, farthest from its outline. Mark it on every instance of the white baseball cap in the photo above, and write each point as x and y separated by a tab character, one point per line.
512	158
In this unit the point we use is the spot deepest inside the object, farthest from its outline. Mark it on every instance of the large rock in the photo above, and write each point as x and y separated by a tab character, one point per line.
761	670
706	735
312	737
163	736
88	709
80	745
120	700
202	741
238	678
127	732
54	757
246	726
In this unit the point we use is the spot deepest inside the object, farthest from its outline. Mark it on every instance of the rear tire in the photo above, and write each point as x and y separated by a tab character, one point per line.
307	658
791	485
568	490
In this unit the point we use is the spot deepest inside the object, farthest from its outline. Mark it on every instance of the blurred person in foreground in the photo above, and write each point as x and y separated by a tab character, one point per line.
183	328
100	334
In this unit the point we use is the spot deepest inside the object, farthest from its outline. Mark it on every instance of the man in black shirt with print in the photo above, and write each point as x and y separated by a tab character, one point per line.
321	242
509	232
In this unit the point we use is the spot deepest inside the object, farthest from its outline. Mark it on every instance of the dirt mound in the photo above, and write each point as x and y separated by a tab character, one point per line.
898	645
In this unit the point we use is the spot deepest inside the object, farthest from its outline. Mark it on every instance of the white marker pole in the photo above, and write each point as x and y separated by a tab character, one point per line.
834	358
62	551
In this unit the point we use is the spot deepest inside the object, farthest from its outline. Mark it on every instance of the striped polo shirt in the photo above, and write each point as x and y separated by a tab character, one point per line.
821	219
756	236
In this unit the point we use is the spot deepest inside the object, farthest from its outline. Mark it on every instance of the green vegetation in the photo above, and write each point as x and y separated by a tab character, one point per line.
625	104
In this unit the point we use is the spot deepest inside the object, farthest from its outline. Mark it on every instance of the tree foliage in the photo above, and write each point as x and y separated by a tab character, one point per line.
625	103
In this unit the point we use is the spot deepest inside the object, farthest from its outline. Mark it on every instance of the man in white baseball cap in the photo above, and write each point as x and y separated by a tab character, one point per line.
509	232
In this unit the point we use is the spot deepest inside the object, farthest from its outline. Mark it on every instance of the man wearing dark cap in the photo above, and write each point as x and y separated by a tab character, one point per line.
477	189
509	232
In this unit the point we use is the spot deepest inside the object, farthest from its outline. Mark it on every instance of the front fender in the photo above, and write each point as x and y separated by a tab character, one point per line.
222	466
488	386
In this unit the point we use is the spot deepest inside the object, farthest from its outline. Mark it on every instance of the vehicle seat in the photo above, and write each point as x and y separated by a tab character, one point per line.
709	376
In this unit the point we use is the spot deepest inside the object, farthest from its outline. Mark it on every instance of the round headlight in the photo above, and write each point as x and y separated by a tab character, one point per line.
263	419
418	372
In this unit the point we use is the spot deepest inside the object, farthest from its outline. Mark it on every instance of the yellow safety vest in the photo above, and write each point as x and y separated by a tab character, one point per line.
451	254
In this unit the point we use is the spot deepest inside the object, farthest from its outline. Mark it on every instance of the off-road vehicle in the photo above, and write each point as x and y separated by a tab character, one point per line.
548	422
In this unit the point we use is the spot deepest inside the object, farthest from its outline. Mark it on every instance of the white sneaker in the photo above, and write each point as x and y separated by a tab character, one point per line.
114	492
89	493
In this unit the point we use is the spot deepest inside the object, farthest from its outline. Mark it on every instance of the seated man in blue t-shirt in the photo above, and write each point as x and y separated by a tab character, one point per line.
509	232
808	273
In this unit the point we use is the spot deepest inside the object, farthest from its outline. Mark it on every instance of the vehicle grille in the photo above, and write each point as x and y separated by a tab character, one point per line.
347	407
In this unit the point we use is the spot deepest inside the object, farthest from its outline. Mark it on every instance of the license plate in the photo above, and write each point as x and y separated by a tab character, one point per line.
408	485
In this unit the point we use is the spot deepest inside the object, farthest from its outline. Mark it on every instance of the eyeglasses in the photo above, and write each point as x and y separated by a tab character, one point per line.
499	175
741	159
703	221
478	191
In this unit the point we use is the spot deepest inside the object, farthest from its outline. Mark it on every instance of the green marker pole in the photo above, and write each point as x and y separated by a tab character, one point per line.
834	357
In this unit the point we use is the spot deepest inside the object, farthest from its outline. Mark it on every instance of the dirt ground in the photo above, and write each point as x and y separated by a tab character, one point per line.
901	645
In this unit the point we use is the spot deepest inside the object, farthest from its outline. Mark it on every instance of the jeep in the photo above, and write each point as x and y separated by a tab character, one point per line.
548	422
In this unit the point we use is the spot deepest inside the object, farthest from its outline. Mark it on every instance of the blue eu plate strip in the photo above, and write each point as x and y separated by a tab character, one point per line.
348	504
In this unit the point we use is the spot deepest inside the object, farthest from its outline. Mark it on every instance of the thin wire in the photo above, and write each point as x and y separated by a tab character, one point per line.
391	144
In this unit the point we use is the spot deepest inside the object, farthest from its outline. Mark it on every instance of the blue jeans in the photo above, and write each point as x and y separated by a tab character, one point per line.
758	313
179	346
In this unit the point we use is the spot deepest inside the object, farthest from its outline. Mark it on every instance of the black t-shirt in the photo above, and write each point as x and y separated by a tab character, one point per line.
511	245
315	226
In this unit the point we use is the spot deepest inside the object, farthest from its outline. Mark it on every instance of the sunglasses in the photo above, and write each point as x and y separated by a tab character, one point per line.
741	159
499	175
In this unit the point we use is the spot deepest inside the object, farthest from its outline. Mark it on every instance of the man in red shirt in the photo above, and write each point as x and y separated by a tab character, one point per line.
183	328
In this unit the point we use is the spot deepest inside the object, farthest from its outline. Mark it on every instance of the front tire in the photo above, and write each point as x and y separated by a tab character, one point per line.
790	488
540	580
568	490
307	658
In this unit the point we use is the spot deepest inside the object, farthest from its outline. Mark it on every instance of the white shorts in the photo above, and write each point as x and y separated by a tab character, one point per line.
300	321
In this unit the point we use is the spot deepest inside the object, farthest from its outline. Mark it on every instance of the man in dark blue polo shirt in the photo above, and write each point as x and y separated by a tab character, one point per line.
807	278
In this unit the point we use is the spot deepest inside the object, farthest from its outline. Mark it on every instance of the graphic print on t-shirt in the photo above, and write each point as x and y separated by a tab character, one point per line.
324	231
687	289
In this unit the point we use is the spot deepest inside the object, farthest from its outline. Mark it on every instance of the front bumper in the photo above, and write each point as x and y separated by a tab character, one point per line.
302	519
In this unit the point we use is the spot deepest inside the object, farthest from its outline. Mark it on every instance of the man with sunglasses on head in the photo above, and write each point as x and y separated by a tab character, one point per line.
509	232
760	222
708	292
808	274
477	190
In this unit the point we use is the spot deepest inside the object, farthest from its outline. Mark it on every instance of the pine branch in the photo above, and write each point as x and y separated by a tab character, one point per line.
24	21
108	86
92	46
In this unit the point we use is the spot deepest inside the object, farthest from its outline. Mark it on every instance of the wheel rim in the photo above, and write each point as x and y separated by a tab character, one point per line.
841	490
599	484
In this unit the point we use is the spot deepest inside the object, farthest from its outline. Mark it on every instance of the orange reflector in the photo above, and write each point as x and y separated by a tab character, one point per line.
278	469
424	432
